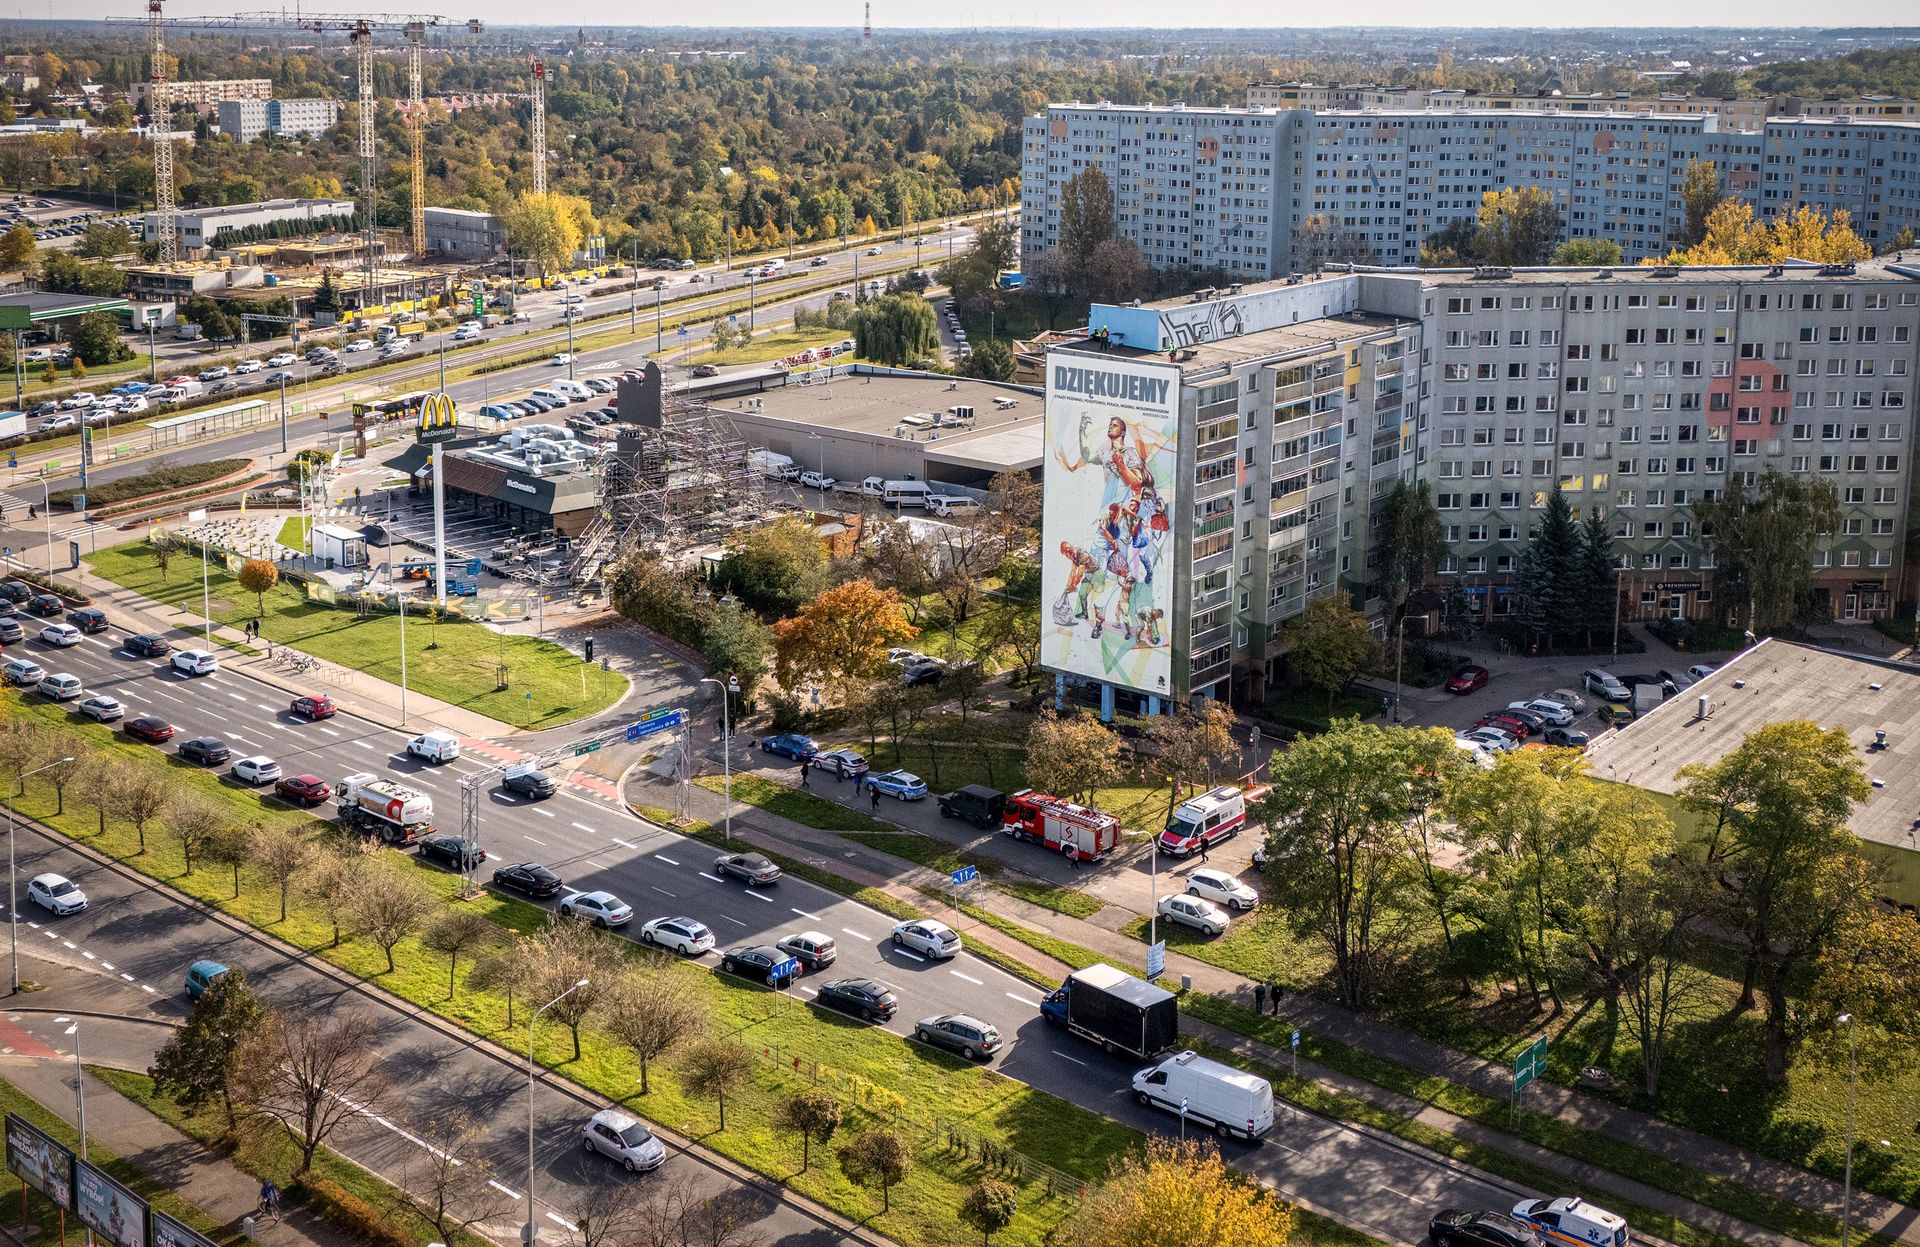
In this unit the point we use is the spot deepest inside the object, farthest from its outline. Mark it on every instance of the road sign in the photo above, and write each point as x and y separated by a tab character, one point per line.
655	721
784	969
1529	1064
479	304
592	746
966	874
1183	1106
1295	1041
1156	959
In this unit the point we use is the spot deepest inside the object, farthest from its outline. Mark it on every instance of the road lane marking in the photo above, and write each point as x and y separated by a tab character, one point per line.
664	892
542	813
127	977
1031	1004
810	991
561	1221
531	840
756	896
163	693
856	935
108	965
89	956
623	844
269	709
583	827
595	865
968	977
329	731
367	744
804	914
904	952
148	990
735	921
238	696
1396	1191
510	1194
64	943
1077	1061
661	856
715	878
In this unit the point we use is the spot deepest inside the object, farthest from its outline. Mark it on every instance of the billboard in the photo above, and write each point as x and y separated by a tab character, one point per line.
42	1164
439	420
109	1209
1112	432
170	1233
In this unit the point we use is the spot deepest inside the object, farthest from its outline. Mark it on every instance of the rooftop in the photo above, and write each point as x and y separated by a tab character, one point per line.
1777	681
1901	266
876	404
19	311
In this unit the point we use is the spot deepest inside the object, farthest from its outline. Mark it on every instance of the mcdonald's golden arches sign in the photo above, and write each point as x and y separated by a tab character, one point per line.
439	419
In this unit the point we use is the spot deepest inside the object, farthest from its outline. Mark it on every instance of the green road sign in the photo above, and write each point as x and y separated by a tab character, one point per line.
1530	1063
591	746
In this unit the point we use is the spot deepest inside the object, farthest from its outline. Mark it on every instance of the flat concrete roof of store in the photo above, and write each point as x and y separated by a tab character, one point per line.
1002	436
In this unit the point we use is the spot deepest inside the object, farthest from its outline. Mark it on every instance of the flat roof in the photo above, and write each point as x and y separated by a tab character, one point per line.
19	311
1778	681
874	404
1877	269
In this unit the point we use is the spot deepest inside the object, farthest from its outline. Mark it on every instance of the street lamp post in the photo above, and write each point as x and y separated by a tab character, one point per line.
13	875
1846	1191
569	346
728	692
815	437
1618	574
206	594
533	1228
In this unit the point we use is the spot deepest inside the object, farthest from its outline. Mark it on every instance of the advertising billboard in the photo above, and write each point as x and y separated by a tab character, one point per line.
439	419
1112	432
42	1164
109	1209
170	1233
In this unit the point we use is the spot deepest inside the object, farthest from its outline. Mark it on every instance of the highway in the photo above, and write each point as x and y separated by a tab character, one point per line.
1379	1183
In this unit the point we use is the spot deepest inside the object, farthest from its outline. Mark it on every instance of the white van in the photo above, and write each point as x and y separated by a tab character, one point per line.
895	493
552	396
951	504
1569	1220
572	389
435	746
1229	1100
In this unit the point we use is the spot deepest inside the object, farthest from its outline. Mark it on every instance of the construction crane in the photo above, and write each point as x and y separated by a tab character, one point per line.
416	137
537	125
160	122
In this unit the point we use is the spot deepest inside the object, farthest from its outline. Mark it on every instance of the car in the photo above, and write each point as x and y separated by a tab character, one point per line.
60	686
818	261
214	373
1678	679
1536	723
706	370
134	404
812	949
246	366
870	1000
528	781
279	375
1606	684
602	909
528	878
614	1134
930	672
46	605
205	750
1701	670
1457	1227
1490	738
901	657
518	318
760	961
815	480
789	745
10	630
753	868
60	635
149	727
873	250
56	894
1513	726
1468	680
841	762
259	769
21	673
307	790
313	706
359	344
1551	712
196	662
1565	738
89	619
902	785
79	401
284	359
958	1032
452	850
1572	699
683	935
1570	1219
16	592
146	645
1221	888
101	708
562	359
928	937
599	385
1201	915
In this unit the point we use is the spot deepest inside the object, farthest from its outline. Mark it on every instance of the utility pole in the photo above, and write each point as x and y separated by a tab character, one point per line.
657	324
283	414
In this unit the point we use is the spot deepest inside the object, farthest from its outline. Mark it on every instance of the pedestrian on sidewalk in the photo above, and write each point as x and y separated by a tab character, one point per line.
1273	990
1260	998
875	794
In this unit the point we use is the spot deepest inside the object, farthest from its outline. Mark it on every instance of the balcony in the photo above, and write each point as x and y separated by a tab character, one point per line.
1204	602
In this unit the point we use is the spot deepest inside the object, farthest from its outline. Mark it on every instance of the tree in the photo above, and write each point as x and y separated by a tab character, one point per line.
1451	245
96	340
457	931
808	1113
547	228
1340	856
331	880
1732	236
990	360
1195	746
314	1070
879	1157
1328	644
386	909
281	855
306	463
231	846
895	329
843	633
564	952
1072	755
975	275
1086	218
1519	227
256	576
1552	576
67	756
1049	278
1699	193
652	1010
1320	240
448	1183
326	299
1409	542
163	546
1870	969
989	1207
714	1066
775	568
105	241
100	788
1760	536
1184	1183
735	643
17	247
1599	575
142	795
193	820
1117	272
196	1063
1586	253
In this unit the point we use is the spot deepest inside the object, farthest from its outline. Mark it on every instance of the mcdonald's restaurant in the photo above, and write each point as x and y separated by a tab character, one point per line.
484	483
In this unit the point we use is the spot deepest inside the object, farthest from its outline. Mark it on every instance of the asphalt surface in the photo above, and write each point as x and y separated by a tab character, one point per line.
594	844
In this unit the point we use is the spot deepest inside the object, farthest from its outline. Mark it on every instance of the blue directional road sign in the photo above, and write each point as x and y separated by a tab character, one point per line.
784	969
655	721
966	874
1296	1041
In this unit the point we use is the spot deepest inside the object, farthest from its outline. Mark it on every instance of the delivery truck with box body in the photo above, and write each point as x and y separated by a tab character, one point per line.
1115	1010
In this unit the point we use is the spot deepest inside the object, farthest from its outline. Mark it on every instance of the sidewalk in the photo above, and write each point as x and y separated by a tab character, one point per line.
903	880
165	1155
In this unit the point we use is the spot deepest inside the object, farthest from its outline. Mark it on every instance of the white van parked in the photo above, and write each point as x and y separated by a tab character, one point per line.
572	389
435	746
951	504
1231	1101
896	493
552	396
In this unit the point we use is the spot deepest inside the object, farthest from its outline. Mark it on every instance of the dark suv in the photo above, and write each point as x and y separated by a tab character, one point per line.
17	592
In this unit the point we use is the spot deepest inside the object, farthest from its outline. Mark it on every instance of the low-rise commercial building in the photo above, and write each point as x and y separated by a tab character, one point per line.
463	234
246	120
212	227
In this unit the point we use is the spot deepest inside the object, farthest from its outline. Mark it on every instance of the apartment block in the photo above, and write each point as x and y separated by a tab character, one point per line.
203	95
1638	392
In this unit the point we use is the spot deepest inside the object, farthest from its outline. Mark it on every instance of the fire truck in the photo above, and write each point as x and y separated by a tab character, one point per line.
1062	826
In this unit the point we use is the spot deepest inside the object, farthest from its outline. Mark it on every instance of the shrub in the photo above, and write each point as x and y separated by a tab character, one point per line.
166	477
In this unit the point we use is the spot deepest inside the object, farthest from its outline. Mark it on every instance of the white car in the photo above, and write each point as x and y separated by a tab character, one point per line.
251	365
682	935
56	894
465	333
196	662
284	359
612	1133
101	708
60	686
133	404
57	423
562	359
359	344
258	769
61	635
74	402
1552	711
603	909
1193	911
1489	738
814	480
1222	889
927	937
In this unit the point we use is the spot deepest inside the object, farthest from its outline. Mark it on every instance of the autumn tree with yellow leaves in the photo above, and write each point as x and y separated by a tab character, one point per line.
843	633
1733	236
1181	1183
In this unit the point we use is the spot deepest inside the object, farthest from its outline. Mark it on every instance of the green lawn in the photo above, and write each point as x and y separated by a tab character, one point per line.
293	532
462	669
777	345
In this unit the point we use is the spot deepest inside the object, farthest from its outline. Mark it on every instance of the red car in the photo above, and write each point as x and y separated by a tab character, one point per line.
1519	729
314	706
303	789
150	728
1467	680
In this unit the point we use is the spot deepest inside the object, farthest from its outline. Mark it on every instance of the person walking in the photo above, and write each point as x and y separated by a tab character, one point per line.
1273	992
805	768
875	794
1260	998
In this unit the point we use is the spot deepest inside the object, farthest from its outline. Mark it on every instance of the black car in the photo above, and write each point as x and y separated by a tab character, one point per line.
1567	738
528	782
1456	1227
46	605
757	961
205	750
88	619
924	673
145	646
867	999
453	852
10	630
17	592
529	878
755	869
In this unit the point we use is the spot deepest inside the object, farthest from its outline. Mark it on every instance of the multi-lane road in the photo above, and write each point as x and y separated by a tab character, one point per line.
595	844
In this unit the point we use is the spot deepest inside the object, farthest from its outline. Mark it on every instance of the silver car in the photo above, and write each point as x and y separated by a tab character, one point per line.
614	1134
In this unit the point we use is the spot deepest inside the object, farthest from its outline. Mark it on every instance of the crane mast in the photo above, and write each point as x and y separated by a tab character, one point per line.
160	121
537	127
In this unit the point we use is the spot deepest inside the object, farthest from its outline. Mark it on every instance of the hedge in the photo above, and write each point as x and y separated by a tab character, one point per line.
160	480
